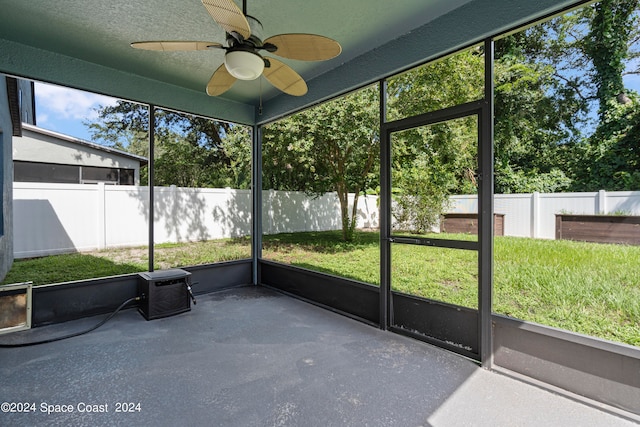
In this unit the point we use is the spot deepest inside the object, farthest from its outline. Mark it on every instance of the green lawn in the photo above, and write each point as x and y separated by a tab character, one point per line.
583	287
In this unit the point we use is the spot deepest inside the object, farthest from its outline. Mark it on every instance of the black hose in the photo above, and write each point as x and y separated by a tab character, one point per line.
75	334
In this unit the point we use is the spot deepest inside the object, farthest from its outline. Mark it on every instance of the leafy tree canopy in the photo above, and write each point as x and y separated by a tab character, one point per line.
190	151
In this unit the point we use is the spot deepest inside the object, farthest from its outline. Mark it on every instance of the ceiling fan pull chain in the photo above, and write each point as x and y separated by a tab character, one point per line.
260	106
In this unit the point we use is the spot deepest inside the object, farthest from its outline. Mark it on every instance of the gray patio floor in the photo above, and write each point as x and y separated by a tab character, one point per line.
252	357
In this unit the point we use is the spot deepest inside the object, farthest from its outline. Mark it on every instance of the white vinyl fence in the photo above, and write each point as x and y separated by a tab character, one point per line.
61	218
533	215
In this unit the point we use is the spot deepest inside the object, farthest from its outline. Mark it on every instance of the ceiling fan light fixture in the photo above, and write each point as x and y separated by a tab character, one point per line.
244	65
243	44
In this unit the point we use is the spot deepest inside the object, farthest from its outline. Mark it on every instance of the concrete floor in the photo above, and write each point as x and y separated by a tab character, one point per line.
252	357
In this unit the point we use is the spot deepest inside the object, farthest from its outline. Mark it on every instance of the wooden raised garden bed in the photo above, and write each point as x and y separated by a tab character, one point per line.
468	223
623	229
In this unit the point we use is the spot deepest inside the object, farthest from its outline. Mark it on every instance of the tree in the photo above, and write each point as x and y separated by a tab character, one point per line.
189	150
434	86
612	158
607	46
331	147
421	194
123	126
609	160
575	65
535	124
542	105
538	110
431	162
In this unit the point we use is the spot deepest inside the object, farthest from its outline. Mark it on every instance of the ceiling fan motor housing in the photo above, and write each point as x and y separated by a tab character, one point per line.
244	41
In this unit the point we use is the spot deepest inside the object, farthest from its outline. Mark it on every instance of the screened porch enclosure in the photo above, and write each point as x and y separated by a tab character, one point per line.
289	345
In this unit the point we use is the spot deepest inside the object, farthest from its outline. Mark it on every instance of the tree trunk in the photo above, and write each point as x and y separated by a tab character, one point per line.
348	222
354	213
343	196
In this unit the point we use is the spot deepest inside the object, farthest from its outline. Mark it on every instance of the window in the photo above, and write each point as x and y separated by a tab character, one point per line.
92	174
127	177
70	174
45	172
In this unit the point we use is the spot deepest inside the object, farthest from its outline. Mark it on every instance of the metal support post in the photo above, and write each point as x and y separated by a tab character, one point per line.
385	213
256	197
485	197
151	166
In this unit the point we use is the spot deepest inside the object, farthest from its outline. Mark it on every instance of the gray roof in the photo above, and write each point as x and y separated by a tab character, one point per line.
74	140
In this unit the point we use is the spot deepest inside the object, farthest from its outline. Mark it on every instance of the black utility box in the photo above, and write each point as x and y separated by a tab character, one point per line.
164	293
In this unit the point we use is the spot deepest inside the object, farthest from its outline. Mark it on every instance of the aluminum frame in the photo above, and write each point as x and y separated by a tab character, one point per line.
478	348
485	211
256	200
151	168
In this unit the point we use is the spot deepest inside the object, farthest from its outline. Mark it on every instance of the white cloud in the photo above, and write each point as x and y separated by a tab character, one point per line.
42	117
67	103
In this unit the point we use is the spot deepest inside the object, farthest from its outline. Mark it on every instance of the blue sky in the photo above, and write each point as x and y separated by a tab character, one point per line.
64	110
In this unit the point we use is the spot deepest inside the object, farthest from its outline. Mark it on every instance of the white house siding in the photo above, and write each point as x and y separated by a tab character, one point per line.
44	146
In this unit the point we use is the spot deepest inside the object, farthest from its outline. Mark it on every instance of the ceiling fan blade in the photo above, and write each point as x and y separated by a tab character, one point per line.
305	47
228	16
168	46
220	82
284	78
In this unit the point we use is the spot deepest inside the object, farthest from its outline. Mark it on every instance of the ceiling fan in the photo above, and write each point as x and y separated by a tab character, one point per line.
242	59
